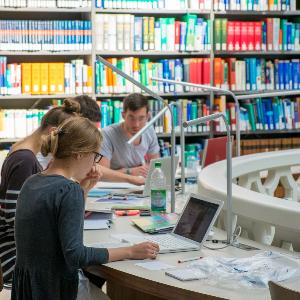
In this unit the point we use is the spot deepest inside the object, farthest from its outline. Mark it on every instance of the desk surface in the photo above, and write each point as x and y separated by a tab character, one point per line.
156	283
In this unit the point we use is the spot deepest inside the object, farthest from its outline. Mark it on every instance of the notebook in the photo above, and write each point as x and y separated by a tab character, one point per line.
156	223
186	274
192	228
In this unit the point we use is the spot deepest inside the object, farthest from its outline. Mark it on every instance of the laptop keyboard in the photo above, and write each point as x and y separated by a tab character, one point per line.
170	242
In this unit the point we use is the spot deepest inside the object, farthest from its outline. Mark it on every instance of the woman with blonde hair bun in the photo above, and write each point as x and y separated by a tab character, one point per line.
20	163
49	219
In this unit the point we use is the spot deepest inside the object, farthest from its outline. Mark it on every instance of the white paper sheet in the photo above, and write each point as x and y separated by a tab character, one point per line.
155	265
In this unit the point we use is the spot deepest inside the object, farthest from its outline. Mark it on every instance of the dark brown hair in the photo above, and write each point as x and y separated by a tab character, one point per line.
88	107
57	115
74	135
134	102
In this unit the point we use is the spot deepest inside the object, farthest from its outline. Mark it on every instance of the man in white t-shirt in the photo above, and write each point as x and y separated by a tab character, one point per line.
117	153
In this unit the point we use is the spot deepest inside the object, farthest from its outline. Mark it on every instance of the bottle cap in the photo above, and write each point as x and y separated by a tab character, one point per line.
157	164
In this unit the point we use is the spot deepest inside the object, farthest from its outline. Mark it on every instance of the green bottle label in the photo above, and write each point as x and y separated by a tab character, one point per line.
158	200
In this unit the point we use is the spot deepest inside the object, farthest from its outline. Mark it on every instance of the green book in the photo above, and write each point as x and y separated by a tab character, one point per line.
224	34
208	45
283	29
217	34
190	32
117	104
164	33
252	118
144	71
97	78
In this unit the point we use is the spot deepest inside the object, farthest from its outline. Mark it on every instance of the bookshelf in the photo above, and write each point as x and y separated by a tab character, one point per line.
91	12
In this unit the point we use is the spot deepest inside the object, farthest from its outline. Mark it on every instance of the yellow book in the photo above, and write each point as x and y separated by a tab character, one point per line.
35	78
26	78
44	78
90	80
60	78
52	78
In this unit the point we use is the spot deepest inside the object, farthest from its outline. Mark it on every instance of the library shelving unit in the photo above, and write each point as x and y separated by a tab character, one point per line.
90	56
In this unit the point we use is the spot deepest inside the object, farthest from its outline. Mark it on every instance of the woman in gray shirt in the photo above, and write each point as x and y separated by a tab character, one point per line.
49	218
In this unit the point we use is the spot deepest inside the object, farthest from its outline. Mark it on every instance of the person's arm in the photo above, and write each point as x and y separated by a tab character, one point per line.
70	229
115	176
22	170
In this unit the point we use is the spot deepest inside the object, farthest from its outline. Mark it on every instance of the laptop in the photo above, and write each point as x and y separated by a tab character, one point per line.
192	228
166	168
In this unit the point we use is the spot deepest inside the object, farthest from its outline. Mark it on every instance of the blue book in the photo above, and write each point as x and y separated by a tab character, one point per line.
104	113
286	74
289	36
138	34
248	85
166	74
182	36
264	36
276	115
276	74
281	75
253	85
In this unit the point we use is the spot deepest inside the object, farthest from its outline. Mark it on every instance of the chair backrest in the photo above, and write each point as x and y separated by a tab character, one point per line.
278	292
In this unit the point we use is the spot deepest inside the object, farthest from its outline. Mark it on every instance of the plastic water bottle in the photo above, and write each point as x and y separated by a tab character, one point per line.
158	189
191	165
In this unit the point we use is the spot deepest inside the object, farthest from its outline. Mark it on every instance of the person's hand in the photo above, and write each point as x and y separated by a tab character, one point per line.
136	180
91	178
144	250
140	171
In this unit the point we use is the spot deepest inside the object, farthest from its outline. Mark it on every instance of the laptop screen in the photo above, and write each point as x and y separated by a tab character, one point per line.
196	219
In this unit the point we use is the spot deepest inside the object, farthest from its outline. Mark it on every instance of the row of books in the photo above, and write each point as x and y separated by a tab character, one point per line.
45	3
268	114
57	35
111	111
45	78
255	5
115	32
18	123
195	70
257	74
259	114
156	4
265	145
272	34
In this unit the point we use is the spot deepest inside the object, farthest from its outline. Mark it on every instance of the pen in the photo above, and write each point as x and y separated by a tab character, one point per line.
189	259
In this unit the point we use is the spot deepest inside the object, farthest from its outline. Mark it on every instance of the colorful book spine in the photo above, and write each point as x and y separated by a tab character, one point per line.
148	33
153	4
29	35
45	78
196	70
256	74
255	5
272	34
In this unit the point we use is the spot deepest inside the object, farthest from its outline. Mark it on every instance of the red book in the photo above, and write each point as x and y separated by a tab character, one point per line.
237	36
206	71
257	35
177	35
269	34
217	72
250	32
231	73
244	36
230	36
193	70
214	150
199	70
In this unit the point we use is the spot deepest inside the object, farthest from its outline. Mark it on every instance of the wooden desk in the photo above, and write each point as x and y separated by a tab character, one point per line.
130	282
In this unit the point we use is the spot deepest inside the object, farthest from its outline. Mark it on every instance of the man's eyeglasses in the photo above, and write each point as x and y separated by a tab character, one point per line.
98	157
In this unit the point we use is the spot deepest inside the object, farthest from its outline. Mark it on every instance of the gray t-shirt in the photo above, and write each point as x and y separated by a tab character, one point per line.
123	155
